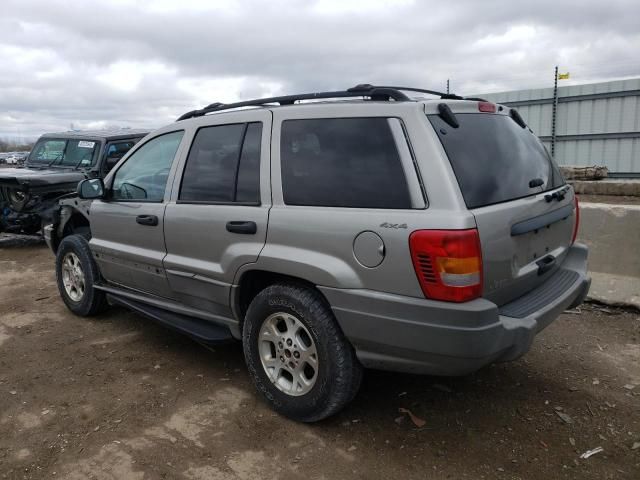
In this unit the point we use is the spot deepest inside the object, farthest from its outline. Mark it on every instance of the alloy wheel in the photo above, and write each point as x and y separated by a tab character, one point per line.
73	277
288	354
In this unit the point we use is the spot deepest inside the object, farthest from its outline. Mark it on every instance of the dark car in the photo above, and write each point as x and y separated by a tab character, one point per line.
29	194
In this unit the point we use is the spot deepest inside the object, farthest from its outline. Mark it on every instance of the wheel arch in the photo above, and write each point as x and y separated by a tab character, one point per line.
69	220
252	282
75	220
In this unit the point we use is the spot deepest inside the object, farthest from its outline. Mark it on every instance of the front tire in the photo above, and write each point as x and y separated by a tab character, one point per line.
76	275
297	356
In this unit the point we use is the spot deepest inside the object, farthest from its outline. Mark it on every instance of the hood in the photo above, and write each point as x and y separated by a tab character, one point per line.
33	178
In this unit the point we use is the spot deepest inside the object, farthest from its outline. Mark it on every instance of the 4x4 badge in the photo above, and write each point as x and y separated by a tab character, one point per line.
393	225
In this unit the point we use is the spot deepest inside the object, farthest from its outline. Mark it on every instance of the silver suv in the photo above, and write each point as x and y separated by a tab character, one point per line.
371	230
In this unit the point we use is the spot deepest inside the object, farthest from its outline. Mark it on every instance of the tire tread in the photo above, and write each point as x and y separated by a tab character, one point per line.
346	368
94	301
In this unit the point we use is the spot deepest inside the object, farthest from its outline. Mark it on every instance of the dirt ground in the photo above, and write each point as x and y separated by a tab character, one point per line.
117	397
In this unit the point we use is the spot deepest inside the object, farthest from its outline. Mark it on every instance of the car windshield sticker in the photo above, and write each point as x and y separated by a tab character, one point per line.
85	144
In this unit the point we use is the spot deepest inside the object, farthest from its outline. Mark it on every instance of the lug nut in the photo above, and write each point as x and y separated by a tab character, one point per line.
296	354
289	342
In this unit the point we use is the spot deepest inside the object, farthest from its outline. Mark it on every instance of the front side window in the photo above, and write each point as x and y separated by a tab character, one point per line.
223	165
144	175
342	162
62	152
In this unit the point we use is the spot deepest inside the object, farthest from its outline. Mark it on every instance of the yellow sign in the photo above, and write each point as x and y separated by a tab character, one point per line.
563	76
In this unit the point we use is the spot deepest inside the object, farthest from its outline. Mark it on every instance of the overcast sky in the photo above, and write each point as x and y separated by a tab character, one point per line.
134	63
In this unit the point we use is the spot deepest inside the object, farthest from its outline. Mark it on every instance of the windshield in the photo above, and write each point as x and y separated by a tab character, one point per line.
54	152
494	159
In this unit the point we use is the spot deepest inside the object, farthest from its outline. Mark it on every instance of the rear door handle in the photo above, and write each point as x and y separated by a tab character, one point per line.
246	228
150	220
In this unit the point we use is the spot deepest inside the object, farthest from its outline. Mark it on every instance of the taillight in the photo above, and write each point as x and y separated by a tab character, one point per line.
487	107
576	223
448	263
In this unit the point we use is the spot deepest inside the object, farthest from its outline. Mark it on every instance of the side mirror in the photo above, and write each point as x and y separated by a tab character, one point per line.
90	189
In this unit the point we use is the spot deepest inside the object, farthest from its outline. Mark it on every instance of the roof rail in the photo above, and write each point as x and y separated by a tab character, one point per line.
375	92
449	96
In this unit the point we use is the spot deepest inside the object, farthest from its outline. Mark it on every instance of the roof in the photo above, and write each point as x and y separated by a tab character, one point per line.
114	134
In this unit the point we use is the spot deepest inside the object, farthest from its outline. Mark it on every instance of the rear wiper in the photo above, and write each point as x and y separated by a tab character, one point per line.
536	182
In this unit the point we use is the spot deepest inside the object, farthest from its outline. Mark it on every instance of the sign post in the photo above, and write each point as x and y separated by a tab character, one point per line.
554	112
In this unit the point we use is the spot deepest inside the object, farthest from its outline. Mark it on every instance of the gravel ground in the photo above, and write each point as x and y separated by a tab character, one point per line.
117	397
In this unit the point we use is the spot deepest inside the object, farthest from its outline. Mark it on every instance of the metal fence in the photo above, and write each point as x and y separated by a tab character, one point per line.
596	124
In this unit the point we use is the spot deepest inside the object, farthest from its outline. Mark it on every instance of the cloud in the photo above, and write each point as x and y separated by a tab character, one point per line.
142	64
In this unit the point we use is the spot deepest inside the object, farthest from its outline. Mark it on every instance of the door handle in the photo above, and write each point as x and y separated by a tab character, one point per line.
246	228
545	264
150	220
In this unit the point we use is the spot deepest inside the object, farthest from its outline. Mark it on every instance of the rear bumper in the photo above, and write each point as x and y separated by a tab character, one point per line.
394	332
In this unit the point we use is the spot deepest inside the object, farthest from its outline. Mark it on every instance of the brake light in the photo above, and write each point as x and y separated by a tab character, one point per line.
576	222
448	263
487	107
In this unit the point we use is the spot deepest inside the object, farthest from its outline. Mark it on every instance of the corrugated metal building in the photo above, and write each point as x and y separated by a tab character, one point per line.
596	124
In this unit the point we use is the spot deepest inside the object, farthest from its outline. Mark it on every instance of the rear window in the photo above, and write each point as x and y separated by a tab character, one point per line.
342	162
494	158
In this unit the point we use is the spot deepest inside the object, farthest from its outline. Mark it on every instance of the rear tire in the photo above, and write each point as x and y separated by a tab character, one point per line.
297	356
76	275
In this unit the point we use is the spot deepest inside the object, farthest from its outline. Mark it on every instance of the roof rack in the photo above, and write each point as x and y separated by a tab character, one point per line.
374	92
446	96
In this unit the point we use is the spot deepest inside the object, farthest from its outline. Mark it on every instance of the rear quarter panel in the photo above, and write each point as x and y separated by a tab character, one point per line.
316	243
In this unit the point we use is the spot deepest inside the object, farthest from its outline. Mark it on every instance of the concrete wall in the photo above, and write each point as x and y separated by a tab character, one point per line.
612	233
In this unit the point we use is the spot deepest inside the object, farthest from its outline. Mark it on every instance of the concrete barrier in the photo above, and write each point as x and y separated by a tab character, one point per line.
609	186
612	233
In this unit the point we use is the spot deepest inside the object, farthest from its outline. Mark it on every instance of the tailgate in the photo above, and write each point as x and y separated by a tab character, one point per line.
523	243
523	208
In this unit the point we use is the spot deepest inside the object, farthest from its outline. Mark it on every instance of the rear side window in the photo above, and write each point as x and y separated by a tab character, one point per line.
248	183
342	162
494	159
223	165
